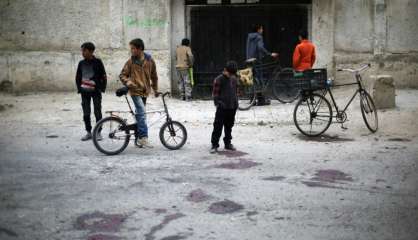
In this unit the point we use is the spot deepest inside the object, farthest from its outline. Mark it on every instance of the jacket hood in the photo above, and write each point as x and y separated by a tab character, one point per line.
254	35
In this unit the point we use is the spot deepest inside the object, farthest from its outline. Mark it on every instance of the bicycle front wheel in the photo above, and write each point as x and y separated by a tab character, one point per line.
246	96
173	135
368	111
110	136
312	115
284	86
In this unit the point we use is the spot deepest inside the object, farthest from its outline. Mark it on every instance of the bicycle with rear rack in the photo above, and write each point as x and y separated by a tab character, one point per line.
257	77
313	113
111	135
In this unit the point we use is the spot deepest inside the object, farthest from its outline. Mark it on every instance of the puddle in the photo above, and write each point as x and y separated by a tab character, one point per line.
8	232
274	178
242	164
331	176
197	195
232	154
325	138
100	222
52	136
103	237
167	219
174	237
399	139
225	207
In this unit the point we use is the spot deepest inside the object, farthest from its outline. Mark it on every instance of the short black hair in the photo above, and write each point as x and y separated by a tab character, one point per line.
138	43
231	67
89	46
303	34
255	27
185	42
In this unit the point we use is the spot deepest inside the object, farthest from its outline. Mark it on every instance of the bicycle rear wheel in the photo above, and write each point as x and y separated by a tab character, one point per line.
284	87
312	115
368	111
173	135
108	136
246	96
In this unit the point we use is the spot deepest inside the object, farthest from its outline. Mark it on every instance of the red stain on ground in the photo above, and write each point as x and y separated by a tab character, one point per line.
100	222
102	237
241	164
232	154
197	195
224	207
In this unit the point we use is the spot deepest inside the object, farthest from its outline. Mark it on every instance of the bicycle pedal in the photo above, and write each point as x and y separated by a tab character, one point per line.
344	128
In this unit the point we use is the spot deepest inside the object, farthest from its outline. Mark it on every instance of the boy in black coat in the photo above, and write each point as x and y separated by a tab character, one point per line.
226	102
91	83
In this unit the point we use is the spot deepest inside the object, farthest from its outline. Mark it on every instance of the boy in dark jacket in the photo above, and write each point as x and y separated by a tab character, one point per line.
226	102
91	83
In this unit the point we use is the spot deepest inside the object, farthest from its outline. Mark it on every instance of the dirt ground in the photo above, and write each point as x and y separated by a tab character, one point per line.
347	184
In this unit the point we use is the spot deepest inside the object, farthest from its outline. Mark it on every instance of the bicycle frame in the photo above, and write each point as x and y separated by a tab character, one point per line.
359	89
132	127
264	82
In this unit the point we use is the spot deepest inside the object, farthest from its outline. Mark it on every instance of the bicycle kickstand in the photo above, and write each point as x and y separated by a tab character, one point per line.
342	127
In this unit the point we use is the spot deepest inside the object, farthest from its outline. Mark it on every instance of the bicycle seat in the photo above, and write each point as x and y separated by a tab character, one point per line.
122	91
251	60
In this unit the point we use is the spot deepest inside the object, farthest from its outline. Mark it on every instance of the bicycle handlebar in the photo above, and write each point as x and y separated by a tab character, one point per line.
163	94
361	69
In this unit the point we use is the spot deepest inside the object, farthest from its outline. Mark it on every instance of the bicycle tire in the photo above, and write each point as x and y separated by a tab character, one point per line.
367	106
96	131
246	94
328	119
181	128
284	90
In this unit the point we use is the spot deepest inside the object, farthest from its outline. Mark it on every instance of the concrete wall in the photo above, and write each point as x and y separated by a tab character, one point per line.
40	39
382	32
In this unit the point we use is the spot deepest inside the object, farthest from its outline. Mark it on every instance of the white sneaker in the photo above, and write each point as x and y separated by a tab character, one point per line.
144	143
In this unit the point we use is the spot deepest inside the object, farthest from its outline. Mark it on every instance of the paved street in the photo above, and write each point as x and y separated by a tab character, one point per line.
348	184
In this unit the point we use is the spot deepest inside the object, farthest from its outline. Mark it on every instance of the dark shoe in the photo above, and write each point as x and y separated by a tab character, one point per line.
263	102
213	150
230	147
86	137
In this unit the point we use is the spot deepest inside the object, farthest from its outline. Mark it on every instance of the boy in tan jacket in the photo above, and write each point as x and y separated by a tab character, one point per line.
140	75
184	57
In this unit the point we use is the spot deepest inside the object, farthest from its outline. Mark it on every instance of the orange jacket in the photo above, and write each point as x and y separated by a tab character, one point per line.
304	56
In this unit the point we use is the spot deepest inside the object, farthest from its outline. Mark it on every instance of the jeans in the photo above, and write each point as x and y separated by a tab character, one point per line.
139	102
184	84
86	98
224	118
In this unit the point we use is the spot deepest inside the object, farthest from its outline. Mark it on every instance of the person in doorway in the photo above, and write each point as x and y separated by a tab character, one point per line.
184	58
256	49
304	55
140	75
226	102
91	83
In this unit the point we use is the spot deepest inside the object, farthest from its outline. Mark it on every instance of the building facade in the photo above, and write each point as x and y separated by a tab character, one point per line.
40	39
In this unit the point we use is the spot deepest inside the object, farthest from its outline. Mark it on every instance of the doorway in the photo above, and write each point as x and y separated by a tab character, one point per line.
219	33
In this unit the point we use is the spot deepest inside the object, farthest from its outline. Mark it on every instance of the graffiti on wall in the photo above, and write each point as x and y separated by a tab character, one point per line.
144	23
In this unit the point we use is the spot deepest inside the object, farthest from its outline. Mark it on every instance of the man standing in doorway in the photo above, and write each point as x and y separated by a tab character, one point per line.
184	57
256	49
304	55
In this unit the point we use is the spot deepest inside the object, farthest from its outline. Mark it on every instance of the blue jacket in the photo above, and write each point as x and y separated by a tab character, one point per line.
255	46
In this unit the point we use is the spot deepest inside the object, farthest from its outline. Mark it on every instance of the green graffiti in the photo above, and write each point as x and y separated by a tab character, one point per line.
145	23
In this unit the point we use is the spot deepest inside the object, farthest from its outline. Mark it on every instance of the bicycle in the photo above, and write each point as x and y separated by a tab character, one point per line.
117	132
271	73
313	112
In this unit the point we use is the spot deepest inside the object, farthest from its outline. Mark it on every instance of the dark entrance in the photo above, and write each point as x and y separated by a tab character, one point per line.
219	33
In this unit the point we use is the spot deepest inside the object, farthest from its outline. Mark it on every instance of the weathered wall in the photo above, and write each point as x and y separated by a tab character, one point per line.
40	39
382	32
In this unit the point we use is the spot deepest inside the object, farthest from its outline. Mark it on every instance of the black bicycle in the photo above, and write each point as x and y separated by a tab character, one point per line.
111	135
313	113
262	76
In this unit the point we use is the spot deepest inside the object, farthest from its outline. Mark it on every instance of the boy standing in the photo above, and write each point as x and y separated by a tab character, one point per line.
226	102
184	57
304	55
91	83
140	75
